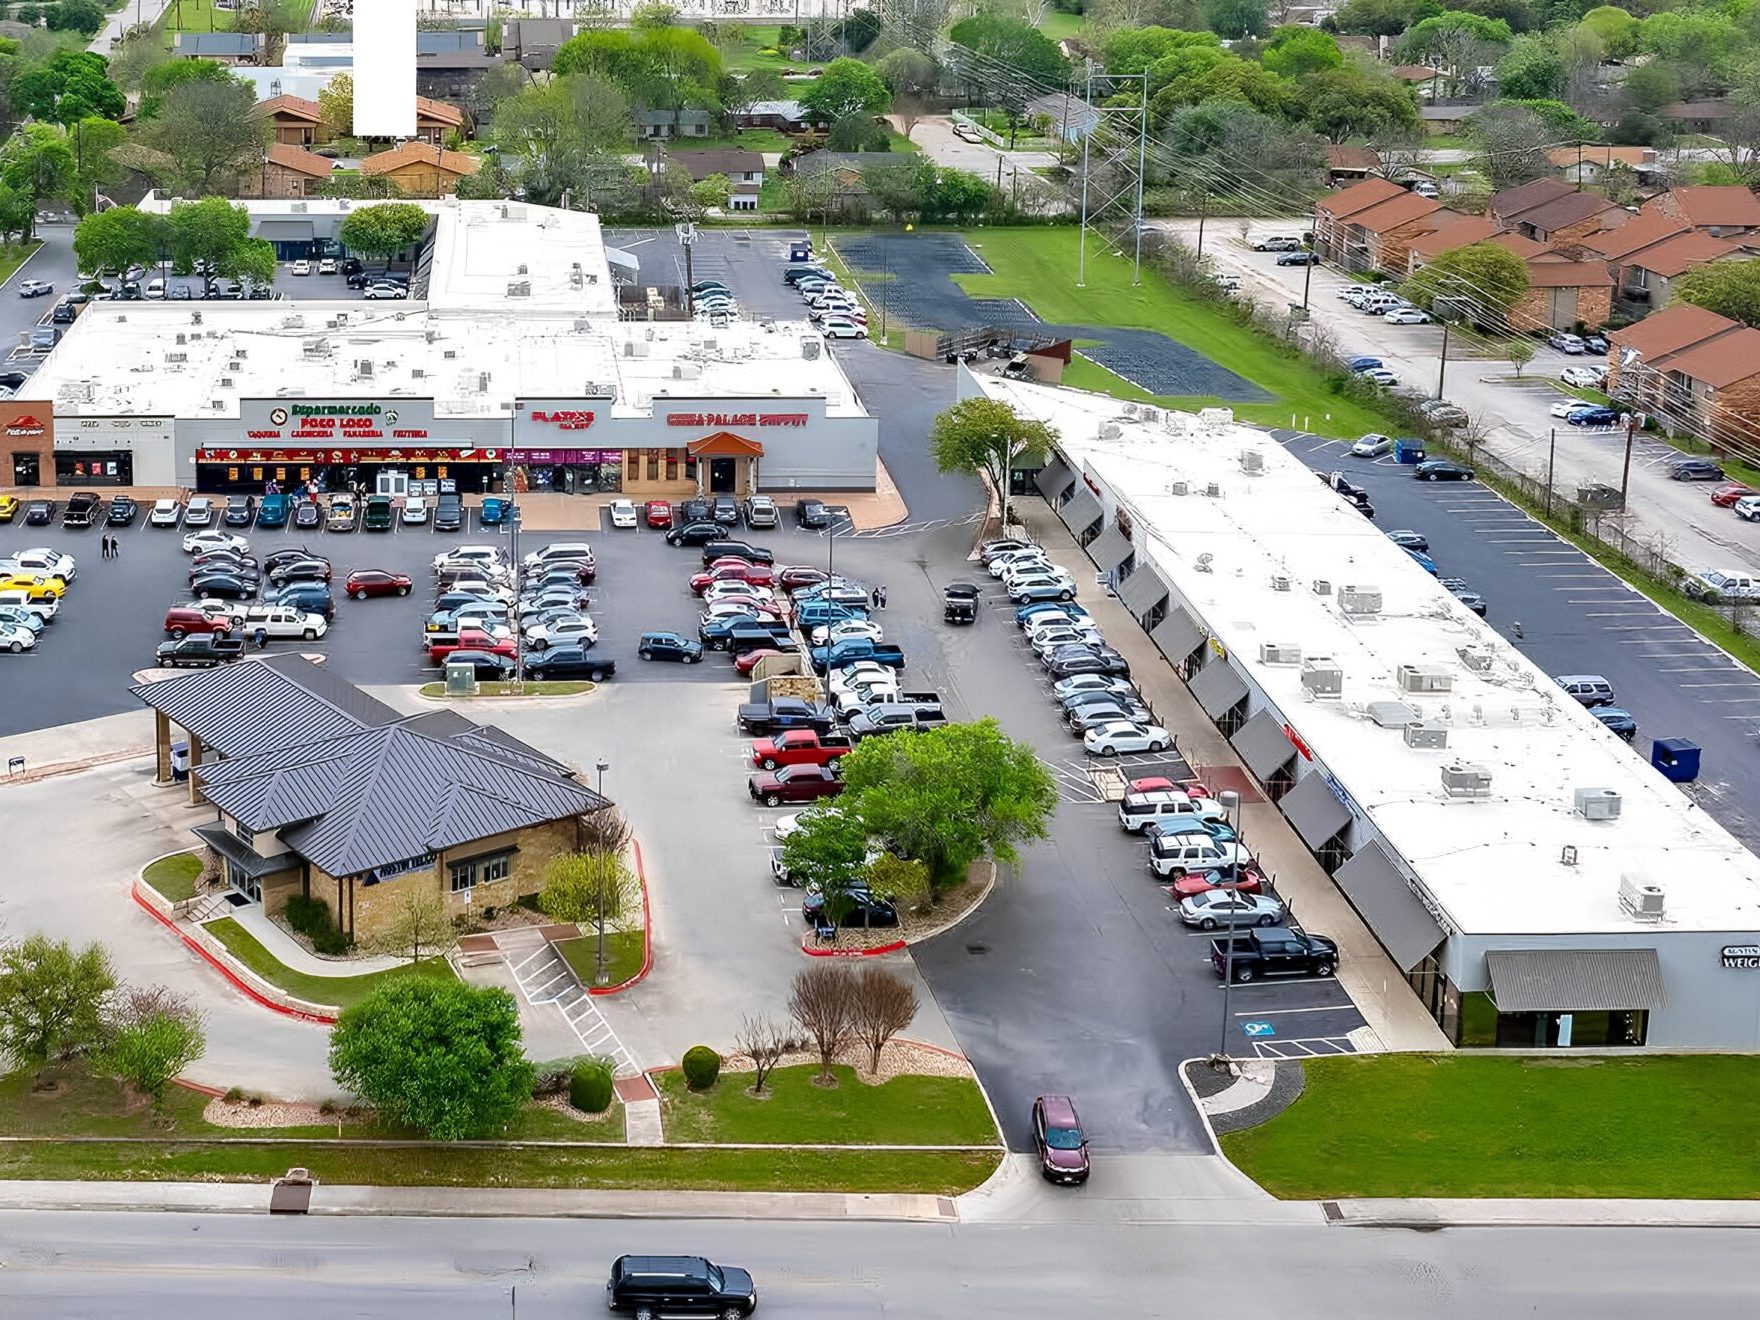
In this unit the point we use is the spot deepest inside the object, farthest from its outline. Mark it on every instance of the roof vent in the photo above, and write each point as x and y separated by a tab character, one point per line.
1466	779
1596	803
1279	582
1425	678
1213	491
1322	587
1252	462
182	338
1110	431
363	367
1322	678
1640	900
519	288
448	353
1475	658
1359	599
1279	653
226	382
1426	737
1178	488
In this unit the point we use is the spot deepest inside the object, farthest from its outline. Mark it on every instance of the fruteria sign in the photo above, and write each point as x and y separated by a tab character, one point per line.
335	422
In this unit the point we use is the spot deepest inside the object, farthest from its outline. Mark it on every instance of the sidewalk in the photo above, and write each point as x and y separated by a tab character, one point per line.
289	952
65	748
1379	991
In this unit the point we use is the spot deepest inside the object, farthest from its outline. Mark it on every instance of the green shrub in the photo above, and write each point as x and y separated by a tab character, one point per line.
589	1088
701	1067
311	918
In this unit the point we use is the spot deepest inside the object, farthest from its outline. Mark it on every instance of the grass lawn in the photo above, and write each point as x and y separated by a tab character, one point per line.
533	688
194	16
623	955
744	56
1060	26
745	139
904	1111
1464	1125
174	877
333	991
13	255
1038	266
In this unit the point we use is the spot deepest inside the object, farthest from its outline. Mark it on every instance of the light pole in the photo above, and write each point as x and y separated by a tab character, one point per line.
1231	802
687	235
519	650
599	976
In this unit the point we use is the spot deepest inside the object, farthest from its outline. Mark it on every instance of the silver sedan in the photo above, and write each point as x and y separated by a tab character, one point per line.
1219	907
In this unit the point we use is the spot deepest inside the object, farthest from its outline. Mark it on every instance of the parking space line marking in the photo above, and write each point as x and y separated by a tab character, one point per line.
1317	1008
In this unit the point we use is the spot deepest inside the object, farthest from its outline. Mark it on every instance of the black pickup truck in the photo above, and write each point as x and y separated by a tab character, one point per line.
202	651
82	509
784	713
1276	953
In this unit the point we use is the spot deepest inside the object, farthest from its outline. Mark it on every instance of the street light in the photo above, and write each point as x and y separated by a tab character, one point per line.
599	974
1230	802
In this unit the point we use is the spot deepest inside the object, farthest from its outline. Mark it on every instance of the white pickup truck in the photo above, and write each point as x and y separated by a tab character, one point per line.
44	607
283	621
1716	584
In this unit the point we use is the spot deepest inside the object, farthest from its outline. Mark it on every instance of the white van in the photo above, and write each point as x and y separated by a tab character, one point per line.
1137	810
155	288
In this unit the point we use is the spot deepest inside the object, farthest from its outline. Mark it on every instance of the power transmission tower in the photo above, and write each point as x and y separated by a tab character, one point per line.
1115	144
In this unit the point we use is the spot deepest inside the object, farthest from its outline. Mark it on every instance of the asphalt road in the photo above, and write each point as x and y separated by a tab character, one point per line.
82	1266
1577	618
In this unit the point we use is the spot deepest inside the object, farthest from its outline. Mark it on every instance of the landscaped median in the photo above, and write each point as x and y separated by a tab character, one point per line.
174	877
333	992
1481	1125
530	688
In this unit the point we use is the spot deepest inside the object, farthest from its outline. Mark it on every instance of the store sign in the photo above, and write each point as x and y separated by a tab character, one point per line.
564	419
707	420
1295	741
1741	957
26	424
540	423
335	421
115	432
243	454
564	457
423	863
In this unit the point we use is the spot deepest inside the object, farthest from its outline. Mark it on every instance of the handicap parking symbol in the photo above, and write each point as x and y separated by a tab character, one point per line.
1259	1028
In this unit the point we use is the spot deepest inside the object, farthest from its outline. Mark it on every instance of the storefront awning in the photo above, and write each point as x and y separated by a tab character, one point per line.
1263	745
1314	811
1177	635
725	444
1575	980
1386	902
1142	591
240	858
1110	549
285	231
1054	478
1081	511
1218	686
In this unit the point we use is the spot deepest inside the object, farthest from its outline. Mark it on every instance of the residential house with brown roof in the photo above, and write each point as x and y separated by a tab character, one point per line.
1589	162
420	169
1555	214
436	121
1338	234
290	171
1350	164
1648	276
743	169
1450	230
1698	116
1698	371
1720	210
1563	294
1388	228
296	121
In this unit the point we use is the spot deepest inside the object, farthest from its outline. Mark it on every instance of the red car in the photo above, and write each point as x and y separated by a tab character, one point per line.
471	639
376	582
759	575
796	576
747	661
1202	882
1726	495
659	513
1159	783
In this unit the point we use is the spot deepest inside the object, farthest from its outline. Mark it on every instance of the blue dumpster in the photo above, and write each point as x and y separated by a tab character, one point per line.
1408	451
1677	758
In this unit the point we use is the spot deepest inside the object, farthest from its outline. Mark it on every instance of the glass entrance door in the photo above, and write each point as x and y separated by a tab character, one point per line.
249	886
391	481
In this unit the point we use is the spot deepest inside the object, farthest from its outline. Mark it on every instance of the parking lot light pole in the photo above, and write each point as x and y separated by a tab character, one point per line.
1230	801
599	975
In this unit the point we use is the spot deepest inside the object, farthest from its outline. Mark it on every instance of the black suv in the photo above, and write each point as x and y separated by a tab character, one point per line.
679	1285
752	554
812	513
695	533
696	509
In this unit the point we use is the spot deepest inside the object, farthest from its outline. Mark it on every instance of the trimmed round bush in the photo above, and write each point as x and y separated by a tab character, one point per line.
589	1086
701	1067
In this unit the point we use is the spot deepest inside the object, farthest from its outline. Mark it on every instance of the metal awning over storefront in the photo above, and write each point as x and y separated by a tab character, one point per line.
1575	980
1054	478
1177	635
1142	591
1218	687
1263	745
1110	549
1081	511
1314	811
1382	898
242	859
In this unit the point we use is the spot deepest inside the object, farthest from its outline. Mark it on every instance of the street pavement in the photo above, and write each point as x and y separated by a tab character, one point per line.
124	1265
1677	514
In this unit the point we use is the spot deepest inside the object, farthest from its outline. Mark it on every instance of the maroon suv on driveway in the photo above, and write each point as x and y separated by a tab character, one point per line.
1063	1146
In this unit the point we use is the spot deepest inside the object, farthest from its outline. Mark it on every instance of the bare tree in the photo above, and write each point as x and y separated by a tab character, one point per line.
822	1003
604	831
885	1004
764	1041
420	927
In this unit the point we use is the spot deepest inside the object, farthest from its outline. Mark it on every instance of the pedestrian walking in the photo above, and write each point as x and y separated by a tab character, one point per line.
881	592
116	547
109	541
874	597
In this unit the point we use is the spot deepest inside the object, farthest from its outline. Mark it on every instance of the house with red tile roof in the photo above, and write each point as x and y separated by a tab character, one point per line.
1368	226
289	171
1698	371
296	121
1721	210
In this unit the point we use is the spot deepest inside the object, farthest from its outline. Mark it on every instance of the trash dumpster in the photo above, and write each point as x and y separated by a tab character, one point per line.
1677	758
180	762
1408	451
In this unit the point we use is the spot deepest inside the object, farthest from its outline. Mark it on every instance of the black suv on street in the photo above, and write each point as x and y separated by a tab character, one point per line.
679	1285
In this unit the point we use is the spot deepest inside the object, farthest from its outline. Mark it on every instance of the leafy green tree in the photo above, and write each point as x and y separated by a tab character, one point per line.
909	72
566	135
120	237
989	439
1458	44
1651	86
1531	70
1518	353
435	1055
593	888
958	196
830	851
847	87
900	879
1297	50
385	230
37	163
746	90
209	129
858	133
1351	101
336	106
1558	122
1729	288
1705	46
52	1000
217	232
1033	59
1141	49
675	68
949	796
155	82
95	167
420	927
17	213
83	16
715	190
154	1036
70	87
1481	281
1616	27
1234	19
1382	18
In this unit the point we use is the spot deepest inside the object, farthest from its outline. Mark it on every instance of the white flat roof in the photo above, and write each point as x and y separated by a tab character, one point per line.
1493	864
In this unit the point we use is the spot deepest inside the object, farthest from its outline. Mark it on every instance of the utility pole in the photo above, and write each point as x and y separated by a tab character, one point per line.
1625	472
1307	279
599	974
1551	455
1442	366
1142	165
1203	214
1082	231
687	234
1230	802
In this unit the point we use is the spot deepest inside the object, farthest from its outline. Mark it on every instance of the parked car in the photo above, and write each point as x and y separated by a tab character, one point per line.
755	554
1695	469
1565	343
760	512
1113	738
1299	259
39	513
794	783
1720	584
385	289
1380	376
623	513
366	582
203	651
571	662
779	714
1586	689
228	586
1440	469
1748	508
341	515
416	511
659	513
15	638
1583	377
1222	908
9	507
1059	1139
1406	316
307	515
1595	415
1621	721
1458	588
1254	956
695	533
1278	243
1725	496
801	747
1372	445
679	1285
199	512
241	510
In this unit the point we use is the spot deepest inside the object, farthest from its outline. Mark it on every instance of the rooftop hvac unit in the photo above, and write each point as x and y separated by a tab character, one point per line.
686	371
1391	714
482	382
1279	653
1465	779
215	405
1359	599
1640	900
521	269
519	288
1213	491
1110	431
233	365
448	353
1322	587
1178	488
1596	803
177	357
1130	410
430	335
182	338
417	373
1424	678
1322	678
582	325
810	349
364	367
226	382
1475	658
1426	737
1149	414
1279	582
1252	462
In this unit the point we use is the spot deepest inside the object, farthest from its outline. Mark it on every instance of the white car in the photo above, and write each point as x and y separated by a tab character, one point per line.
35	288
1382	377
327	265
15	637
1068	687
845	630
1565	407
1584	377
1748	507
1125	736
1373	445
580	630
1406	316
44	607
203	541
301	267
385	289
199	513
841	327
41	559
1350	291
415	510
1031	568
1029	554
1048	640
734	606
1565	343
1216	908
862	674
738	588
283	621
481	555
623	513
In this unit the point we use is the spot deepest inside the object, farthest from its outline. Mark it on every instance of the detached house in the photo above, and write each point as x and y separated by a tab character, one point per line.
743	169
436	121
1649	275
1588	163
296	121
291	172
1350	164
420	169
1697	370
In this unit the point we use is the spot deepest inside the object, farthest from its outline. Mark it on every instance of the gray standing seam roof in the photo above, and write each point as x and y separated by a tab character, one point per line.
1110	549
1177	635
1054	478
1314	810
1218	686
1142	591
1575	980
1387	904
1081	510
258	704
1263	745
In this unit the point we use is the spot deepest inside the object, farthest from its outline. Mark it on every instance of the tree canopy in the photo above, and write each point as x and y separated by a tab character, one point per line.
666	68
218	232
71	86
52	999
987	438
383	230
120	237
846	88
1480	282
1729	288
210	131
1297	50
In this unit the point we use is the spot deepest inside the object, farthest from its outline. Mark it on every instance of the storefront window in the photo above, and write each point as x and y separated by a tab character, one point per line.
97	469
653	464
672	465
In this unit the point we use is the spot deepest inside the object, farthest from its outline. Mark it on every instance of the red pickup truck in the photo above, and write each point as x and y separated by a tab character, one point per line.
794	783
441	645
802	747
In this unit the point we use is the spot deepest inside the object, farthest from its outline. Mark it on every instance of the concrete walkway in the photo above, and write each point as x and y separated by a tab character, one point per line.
1380	992
291	953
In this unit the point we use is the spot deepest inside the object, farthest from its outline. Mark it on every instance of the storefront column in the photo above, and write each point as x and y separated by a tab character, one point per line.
161	748
195	761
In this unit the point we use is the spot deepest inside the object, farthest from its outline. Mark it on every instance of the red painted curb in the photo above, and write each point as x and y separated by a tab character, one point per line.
819	951
248	991
647	933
